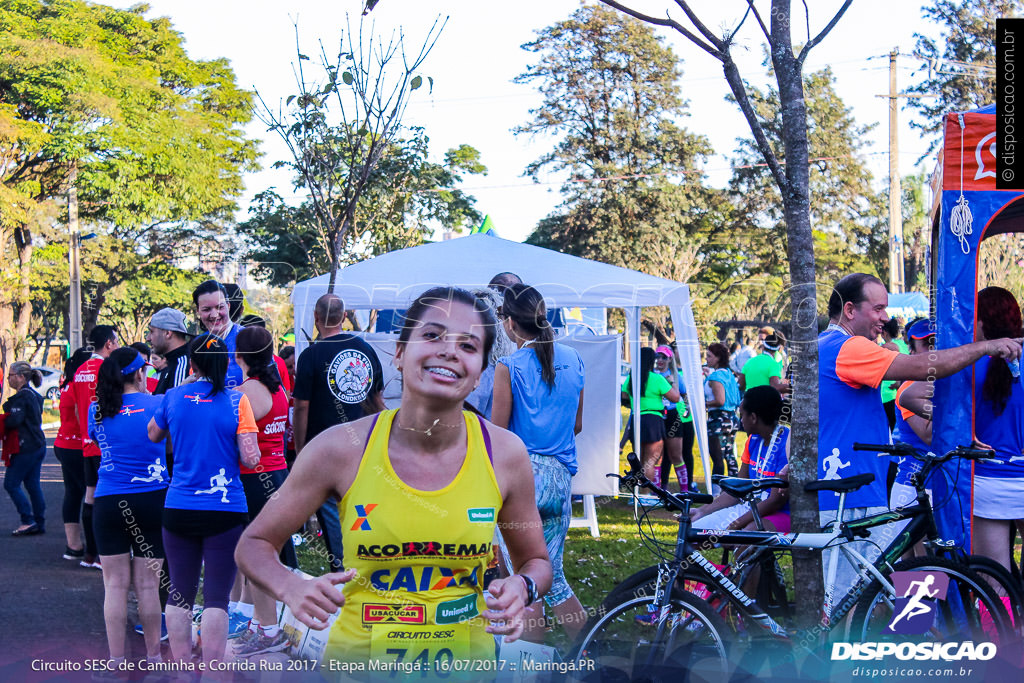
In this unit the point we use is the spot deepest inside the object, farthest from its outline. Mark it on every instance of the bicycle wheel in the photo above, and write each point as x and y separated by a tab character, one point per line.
970	610
1001	581
623	643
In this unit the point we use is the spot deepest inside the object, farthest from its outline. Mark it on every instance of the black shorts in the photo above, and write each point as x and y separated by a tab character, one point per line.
259	488
652	428
92	470
673	425
129	522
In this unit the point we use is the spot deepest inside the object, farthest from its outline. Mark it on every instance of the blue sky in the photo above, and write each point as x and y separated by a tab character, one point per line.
475	102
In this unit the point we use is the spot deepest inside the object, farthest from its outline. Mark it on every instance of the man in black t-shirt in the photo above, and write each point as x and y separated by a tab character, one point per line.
338	379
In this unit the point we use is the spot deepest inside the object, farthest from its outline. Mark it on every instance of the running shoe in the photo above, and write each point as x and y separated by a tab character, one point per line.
649	501
74	555
90	562
261	644
163	628
238	624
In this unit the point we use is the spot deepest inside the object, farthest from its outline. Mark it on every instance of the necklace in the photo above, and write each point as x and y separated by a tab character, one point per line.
429	431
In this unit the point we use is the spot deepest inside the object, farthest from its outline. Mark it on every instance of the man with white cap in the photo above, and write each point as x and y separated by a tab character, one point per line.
168	335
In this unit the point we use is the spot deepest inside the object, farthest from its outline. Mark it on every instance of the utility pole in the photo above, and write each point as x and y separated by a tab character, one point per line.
75	316
896	283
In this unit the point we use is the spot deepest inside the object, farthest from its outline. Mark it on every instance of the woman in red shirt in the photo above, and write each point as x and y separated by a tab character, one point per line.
254	353
68	449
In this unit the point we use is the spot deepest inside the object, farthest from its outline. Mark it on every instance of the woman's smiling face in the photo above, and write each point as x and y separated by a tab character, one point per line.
212	310
444	353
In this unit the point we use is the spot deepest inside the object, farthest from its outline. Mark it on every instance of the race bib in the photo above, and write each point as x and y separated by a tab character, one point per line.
405	649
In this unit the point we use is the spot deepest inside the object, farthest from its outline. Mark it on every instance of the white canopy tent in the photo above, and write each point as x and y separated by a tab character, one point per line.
395	279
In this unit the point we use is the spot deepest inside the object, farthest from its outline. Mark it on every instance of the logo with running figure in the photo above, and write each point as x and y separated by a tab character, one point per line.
918	594
350	376
218	484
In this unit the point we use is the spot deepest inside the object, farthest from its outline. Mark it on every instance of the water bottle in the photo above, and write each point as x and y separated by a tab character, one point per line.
1014	366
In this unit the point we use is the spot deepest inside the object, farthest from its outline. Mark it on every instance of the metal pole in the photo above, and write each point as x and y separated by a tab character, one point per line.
896	276
75	316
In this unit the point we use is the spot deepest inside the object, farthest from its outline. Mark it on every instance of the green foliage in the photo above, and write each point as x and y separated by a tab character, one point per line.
157	139
404	198
123	288
158	136
958	79
847	214
611	99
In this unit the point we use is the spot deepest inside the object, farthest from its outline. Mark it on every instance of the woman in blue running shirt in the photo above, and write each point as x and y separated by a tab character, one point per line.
998	423
722	397
213	429
538	396
132	482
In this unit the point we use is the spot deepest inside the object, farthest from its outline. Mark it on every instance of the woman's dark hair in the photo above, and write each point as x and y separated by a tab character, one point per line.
255	346
27	371
999	316
721	352
72	364
209	356
525	306
647	357
892	327
445	296
849	290
110	381
765	402
143	348
208	287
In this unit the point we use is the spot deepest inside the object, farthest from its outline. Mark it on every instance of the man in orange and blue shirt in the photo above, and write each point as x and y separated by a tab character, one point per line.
851	367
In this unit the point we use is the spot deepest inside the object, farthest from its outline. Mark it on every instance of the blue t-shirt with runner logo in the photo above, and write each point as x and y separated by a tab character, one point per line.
545	417
204	431
129	461
768	457
1003	432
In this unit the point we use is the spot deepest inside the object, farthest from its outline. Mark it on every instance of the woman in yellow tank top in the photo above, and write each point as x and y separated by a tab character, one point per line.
421	489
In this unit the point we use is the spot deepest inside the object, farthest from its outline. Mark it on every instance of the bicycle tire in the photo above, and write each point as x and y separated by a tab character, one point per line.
961	616
617	644
1001	581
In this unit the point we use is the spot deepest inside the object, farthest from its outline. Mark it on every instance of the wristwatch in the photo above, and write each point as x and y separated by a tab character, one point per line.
531	589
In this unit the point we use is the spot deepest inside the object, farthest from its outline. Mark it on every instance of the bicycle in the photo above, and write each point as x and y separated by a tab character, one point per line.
675	629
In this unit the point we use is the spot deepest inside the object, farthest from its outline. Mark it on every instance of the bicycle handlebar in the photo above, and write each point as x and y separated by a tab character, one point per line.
965	452
676	501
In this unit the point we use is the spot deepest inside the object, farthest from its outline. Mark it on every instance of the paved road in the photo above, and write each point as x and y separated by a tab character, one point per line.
51	609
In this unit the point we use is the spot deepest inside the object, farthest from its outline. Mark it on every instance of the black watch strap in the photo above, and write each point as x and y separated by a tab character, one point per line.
531	589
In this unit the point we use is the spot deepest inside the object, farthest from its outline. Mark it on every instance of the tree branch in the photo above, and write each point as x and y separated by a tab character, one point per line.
669	22
739	91
695	20
760	22
824	32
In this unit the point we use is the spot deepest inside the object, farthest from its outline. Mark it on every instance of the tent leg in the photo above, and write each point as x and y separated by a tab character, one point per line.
589	518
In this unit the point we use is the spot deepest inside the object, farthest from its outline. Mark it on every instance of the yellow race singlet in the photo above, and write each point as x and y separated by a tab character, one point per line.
420	558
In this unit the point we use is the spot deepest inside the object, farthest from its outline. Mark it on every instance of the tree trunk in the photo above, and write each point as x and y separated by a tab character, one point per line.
803	462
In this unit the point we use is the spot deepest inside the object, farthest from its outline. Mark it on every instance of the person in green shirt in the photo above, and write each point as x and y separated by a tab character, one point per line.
892	341
763	369
653	388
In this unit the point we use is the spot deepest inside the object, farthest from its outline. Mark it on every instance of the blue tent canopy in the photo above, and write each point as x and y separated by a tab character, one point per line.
969	209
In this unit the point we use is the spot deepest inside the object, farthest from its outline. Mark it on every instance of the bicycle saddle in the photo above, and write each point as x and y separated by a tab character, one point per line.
844	485
737	487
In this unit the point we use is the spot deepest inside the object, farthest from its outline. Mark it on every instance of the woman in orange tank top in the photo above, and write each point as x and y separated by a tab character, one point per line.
429	446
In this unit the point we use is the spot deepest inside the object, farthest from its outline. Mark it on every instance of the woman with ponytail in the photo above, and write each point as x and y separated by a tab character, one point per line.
67	447
254	353
129	498
998	423
23	413
213	431
538	396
